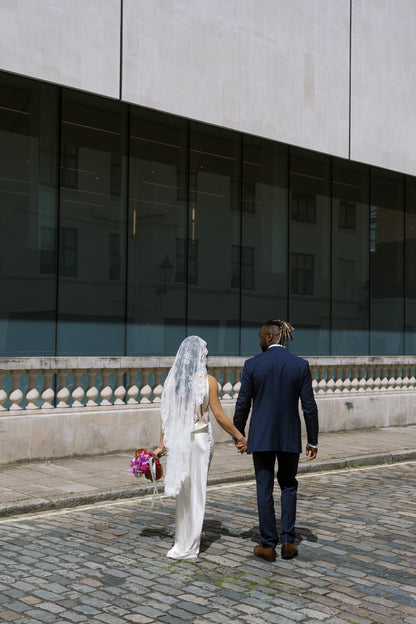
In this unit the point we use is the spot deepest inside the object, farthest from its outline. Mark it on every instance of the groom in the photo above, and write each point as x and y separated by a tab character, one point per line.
274	381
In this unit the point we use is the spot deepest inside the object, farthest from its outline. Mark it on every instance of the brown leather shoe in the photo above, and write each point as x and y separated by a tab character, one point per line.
289	551
269	554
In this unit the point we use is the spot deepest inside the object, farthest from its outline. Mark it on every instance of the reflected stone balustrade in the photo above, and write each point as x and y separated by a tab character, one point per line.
33	384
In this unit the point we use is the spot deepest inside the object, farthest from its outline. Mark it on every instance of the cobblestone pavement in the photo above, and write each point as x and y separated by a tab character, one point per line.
106	563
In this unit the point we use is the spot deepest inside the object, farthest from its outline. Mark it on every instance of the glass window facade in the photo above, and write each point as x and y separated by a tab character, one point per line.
310	251
410	273
123	230
157	241
28	216
350	259
92	227
264	219
386	263
214	226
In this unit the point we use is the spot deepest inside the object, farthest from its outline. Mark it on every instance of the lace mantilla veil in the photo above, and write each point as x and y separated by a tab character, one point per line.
183	394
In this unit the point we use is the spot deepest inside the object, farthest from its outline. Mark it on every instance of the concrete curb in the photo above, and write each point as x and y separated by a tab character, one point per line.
62	502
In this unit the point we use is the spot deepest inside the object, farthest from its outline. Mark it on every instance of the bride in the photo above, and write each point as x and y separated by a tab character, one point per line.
186	432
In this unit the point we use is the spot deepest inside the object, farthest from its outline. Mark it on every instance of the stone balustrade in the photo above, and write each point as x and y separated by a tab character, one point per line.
42	383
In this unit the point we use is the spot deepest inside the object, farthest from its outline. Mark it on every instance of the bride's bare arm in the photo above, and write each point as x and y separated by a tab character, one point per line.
221	417
160	448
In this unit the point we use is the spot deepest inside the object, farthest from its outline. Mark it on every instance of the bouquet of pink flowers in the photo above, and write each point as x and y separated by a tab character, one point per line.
141	464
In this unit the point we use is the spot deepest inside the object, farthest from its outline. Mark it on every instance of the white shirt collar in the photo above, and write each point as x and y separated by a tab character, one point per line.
275	345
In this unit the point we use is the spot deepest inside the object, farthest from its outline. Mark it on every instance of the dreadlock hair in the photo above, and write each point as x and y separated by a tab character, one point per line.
281	330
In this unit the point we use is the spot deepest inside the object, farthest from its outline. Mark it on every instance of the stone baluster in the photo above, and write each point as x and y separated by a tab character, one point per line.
146	389
320	380
338	380
78	392
32	395
354	384
364	384
315	386
322	386
158	389
384	383
106	391
16	395
412	382
398	384
346	385
330	385
362	381
237	382
377	384
48	393
120	390
133	389
63	393
92	390
3	398
405	382
227	387
392	383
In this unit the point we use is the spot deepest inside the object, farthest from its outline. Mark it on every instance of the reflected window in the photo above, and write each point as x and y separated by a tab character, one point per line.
47	250
303	207
68	262
245	255
346	215
249	197
301	274
69	173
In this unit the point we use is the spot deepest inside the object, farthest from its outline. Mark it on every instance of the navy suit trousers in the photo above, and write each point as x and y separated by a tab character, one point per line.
264	463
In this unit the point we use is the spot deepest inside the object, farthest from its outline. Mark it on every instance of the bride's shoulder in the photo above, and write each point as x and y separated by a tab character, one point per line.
212	382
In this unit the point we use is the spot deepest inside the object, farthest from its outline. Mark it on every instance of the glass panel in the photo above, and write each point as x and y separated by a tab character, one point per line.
92	227
264	250
410	259
386	263
214	228
350	271
157	235
309	252
28	208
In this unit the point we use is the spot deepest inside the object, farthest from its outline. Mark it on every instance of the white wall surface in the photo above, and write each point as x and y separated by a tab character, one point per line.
272	68
383	72
75	43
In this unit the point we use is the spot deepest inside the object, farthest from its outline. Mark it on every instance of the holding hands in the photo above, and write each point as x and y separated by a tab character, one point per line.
241	444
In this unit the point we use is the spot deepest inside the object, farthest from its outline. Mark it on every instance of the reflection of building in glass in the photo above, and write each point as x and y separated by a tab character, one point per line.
125	227
301	274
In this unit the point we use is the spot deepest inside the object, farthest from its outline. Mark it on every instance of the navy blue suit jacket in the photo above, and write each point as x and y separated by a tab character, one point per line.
274	381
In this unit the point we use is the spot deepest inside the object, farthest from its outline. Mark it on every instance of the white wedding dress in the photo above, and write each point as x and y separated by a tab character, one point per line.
190	502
